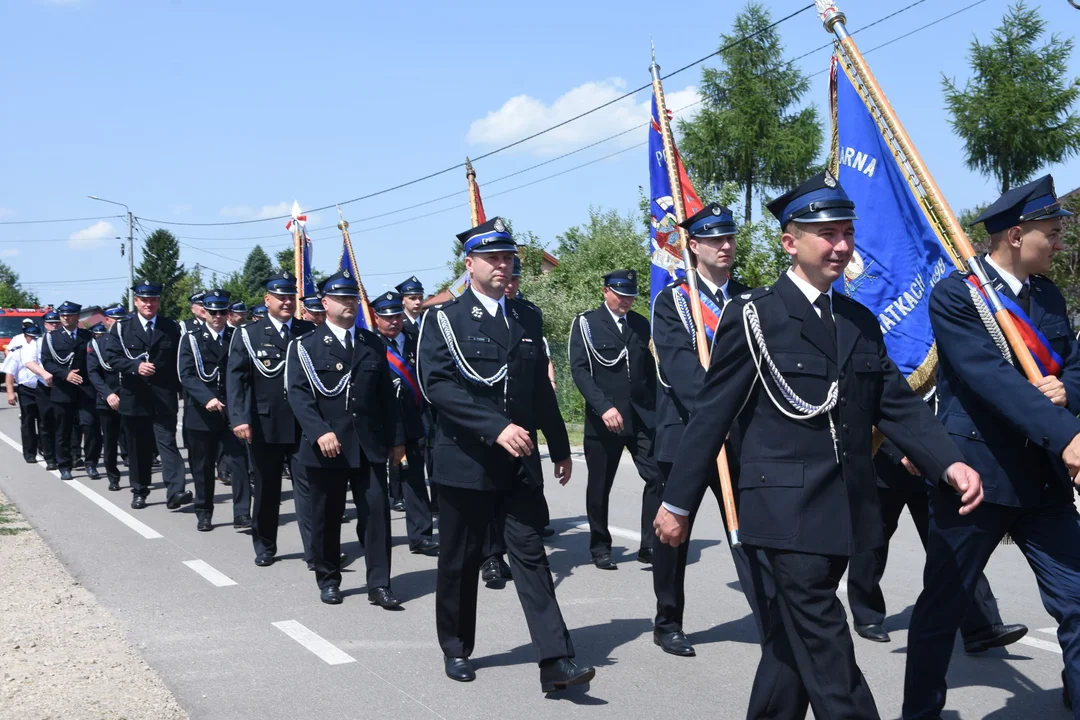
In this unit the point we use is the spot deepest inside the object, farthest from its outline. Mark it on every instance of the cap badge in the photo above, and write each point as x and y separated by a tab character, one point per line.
630	275
345	273
499	226
477	313
716	210
830	181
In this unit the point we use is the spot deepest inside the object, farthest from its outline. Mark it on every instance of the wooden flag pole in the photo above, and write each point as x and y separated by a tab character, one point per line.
834	21
727	493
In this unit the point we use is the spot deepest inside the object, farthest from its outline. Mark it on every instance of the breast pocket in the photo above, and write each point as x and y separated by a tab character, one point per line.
868	379
770	498
805	373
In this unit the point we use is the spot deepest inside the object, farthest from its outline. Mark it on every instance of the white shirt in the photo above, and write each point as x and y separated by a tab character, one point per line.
214	335
1010	279
277	324
15	365
340	332
491	304
16	342
720	291
146	322
811	292
29	352
616	318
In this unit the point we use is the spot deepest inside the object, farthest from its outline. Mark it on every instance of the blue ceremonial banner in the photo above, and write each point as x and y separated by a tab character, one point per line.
348	262
663	232
310	288
899	256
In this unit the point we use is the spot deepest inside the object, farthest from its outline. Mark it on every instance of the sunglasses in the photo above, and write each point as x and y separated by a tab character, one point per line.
217	312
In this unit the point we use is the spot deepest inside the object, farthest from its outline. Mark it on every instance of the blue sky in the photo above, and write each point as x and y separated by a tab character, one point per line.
203	112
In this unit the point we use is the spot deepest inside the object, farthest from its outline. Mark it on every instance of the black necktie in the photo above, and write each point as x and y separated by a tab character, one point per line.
622	326
149	327
822	304
501	327
1023	298
348	344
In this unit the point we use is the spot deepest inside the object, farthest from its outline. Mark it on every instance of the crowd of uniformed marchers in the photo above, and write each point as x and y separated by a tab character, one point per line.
436	412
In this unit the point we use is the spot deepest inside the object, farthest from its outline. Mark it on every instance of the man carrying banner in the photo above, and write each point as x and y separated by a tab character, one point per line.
1023	438
712	243
412	298
616	374
806	487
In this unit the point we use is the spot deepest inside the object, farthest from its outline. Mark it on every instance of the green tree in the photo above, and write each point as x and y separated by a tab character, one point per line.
188	286
12	293
161	264
285	260
1014	113
1066	269
257	268
750	130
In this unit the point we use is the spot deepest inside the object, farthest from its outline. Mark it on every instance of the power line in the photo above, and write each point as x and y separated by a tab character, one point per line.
38	222
73	282
458	166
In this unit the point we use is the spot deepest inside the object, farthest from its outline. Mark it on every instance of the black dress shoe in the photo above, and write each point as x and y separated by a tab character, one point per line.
225	481
310	564
383	597
155	463
460	669
644	555
491	575
244	521
994	636
873	632
205	525
426	546
181	498
343	558
563	673
50	465
674	643
65	474
78	464
32	461
547	532
604	562
114	485
138	502
504	570
264	560
331	595
92	472
398	506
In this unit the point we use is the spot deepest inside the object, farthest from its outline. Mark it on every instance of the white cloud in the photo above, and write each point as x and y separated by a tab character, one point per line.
6	212
524	115
9	252
92	237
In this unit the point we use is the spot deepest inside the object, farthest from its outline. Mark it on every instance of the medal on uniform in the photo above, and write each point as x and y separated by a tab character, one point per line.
266	363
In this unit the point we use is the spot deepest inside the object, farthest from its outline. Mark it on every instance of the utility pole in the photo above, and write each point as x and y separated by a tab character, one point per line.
130	247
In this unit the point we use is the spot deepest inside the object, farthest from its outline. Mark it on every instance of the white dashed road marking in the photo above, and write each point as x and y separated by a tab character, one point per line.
142	528
326	651
214	576
616	532
1041	644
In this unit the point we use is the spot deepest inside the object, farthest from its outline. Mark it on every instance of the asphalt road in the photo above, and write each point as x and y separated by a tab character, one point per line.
235	641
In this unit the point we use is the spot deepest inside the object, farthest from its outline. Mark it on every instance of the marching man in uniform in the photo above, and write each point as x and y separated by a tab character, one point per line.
412	299
1023	438
143	349
401	356
341	392
203	359
260	414
712	244
106	381
482	366
616	374
64	356
806	482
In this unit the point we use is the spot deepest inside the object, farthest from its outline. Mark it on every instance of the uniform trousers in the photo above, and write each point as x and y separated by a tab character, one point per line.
865	598
144	436
203	448
268	462
464	518
111	427
29	421
46	421
669	572
326	498
413	490
957	550
808	657
602	456
68	417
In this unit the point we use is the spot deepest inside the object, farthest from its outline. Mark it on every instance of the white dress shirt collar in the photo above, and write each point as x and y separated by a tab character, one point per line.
491	304
719	291
340	332
811	292
213	335
146	321
277	323
1006	276
614	317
